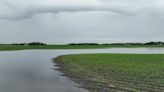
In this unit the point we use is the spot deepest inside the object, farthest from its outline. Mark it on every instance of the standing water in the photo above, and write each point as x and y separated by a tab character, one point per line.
33	70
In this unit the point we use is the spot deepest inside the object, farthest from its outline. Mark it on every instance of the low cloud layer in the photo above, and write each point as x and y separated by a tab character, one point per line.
27	8
64	21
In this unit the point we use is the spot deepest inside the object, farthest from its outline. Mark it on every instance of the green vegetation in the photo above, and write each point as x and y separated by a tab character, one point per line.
22	47
40	45
115	72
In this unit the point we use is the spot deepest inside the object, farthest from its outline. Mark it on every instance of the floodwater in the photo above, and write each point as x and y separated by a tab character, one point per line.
33	70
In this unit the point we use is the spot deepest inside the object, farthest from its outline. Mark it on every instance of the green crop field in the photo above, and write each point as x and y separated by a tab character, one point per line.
20	47
115	72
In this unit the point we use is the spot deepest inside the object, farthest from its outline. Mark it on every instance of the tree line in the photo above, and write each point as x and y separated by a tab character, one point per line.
40	43
148	43
26	44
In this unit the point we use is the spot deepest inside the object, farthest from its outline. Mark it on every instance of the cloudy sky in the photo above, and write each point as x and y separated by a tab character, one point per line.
65	21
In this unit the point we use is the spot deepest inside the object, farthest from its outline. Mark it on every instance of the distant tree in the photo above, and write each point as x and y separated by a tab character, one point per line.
154	43
36	43
113	44
32	43
18	43
83	44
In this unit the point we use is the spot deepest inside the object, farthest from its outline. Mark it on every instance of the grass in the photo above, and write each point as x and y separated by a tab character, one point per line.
20	47
115	72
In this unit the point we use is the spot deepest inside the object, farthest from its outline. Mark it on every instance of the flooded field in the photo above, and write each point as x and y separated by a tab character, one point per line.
33	70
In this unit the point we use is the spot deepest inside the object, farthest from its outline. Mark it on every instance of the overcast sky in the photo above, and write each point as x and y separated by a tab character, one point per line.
65	21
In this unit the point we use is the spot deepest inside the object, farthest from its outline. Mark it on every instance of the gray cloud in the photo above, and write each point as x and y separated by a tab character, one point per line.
25	9
64	21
